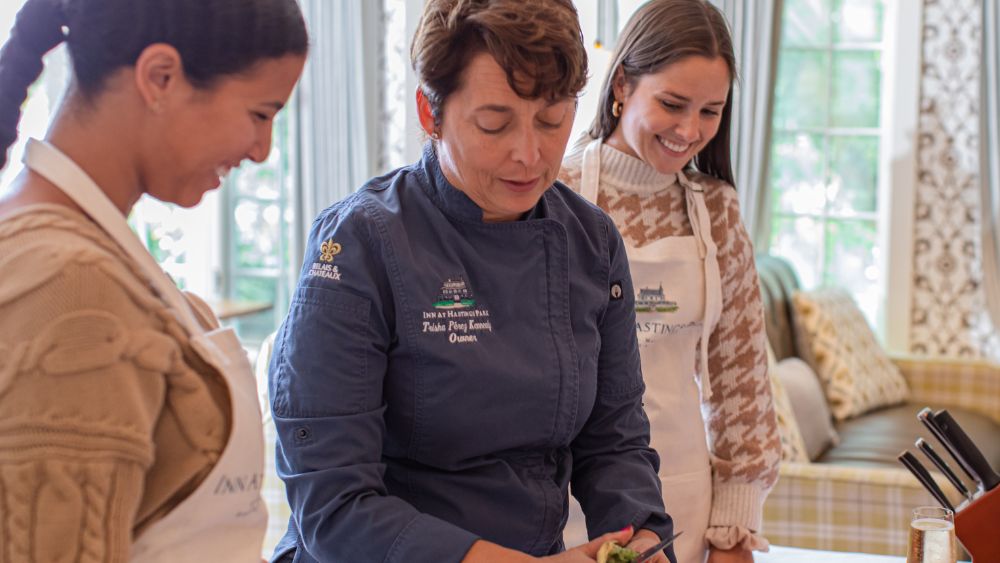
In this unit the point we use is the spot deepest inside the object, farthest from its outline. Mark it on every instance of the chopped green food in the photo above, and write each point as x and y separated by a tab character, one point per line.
611	552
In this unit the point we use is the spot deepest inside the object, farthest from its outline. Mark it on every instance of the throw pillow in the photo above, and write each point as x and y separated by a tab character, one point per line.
793	448
812	415
856	373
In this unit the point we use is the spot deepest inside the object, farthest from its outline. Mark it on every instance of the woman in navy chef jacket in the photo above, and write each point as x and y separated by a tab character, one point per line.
461	345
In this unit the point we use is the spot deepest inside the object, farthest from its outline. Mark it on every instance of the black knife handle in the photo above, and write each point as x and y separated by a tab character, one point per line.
922	475
926	416
932	455
967	449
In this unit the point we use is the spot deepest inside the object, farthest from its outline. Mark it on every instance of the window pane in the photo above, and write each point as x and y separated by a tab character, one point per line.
800	97
257	234
857	81
255	328
853	175
859	21
806	23
851	262
797	173
799	240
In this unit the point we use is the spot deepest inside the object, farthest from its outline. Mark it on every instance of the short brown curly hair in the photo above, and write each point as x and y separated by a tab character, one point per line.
538	43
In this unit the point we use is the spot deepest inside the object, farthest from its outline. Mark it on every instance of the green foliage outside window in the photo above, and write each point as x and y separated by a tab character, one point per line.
824	158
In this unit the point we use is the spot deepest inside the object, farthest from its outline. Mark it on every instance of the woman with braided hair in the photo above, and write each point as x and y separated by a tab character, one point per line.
129	426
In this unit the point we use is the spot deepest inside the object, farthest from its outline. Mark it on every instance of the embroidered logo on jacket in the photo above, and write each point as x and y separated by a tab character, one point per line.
455	313
324	268
328	250
650	300
454	295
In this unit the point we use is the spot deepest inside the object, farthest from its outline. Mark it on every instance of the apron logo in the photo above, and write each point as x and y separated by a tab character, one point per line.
650	300
616	291
456	314
328	250
324	268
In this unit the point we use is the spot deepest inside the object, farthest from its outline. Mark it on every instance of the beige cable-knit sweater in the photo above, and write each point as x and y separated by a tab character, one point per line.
743	436
107	418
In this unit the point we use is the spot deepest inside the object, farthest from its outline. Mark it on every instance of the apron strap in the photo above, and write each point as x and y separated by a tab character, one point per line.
701	224
591	172
50	163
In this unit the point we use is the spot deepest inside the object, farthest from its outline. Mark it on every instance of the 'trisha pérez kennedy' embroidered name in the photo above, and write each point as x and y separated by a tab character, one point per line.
455	312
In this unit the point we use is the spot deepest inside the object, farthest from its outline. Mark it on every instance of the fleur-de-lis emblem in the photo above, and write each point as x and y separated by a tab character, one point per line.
328	250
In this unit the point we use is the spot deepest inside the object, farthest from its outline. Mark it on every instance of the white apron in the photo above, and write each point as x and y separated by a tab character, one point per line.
678	304
224	518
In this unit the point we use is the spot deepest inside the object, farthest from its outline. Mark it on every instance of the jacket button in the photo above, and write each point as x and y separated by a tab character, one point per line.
302	433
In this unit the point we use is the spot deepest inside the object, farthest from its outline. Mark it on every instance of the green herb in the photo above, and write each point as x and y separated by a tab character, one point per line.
620	554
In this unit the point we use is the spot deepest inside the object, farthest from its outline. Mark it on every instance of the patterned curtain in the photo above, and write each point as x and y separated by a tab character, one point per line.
756	27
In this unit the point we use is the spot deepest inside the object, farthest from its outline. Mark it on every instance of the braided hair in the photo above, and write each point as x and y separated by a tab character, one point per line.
215	38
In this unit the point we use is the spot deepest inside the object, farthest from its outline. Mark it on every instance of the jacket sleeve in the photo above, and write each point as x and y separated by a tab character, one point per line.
614	468
326	378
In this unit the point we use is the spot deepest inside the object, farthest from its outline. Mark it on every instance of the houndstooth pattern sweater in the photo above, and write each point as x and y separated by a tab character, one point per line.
743	437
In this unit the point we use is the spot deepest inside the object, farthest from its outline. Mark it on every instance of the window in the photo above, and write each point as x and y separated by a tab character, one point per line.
258	215
826	140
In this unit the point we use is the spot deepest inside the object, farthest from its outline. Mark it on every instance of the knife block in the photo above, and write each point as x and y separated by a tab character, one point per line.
976	525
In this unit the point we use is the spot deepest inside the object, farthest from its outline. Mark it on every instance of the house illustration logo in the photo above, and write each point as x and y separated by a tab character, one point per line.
650	300
454	294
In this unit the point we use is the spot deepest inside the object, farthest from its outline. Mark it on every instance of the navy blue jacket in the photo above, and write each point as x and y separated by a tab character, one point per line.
439	379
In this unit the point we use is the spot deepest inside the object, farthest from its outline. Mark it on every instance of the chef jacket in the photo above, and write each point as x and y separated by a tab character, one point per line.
439	379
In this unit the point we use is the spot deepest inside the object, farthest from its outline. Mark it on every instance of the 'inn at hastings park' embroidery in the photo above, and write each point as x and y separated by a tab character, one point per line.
455	313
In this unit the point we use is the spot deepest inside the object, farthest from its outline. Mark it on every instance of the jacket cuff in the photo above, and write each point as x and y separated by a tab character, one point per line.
427	538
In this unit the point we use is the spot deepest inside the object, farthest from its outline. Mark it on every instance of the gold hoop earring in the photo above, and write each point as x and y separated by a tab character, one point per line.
616	108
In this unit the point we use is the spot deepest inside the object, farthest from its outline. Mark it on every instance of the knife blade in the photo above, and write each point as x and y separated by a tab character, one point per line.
920	472
943	467
967	449
926	416
649	553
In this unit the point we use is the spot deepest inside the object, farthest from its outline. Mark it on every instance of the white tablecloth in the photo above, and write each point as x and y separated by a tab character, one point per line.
780	554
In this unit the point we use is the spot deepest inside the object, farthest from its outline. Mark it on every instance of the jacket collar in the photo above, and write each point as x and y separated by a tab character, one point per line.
453	201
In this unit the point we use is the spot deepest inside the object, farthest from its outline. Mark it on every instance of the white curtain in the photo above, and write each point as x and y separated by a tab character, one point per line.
755	26
339	104
990	158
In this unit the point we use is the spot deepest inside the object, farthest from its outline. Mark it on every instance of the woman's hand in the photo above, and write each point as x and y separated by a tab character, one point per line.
588	551
645	539
734	555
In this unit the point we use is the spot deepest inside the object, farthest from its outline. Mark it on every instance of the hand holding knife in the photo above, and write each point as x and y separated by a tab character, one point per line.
651	552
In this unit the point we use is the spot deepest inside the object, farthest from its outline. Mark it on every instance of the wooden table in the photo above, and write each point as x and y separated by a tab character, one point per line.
232	308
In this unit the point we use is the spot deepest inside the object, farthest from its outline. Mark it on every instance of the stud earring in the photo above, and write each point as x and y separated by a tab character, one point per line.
436	136
616	108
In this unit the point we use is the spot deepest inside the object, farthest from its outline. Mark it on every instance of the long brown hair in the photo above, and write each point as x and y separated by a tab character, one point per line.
662	32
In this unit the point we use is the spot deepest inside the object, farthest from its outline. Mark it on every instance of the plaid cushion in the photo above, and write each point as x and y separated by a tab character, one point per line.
971	384
840	508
